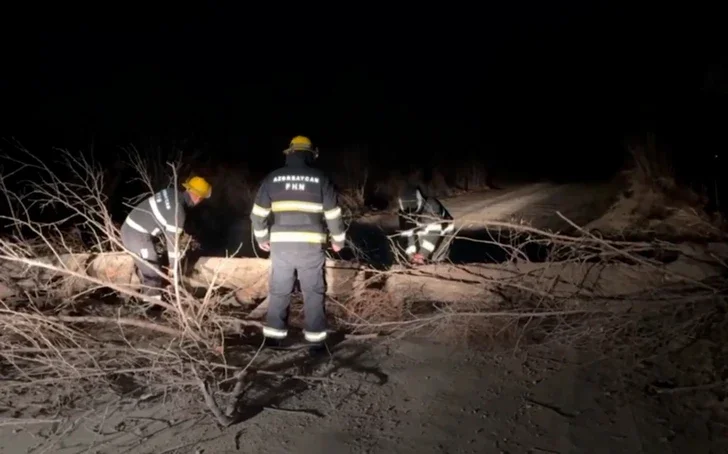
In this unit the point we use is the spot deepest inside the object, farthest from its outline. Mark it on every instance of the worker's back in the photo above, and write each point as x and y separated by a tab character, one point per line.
162	212
297	194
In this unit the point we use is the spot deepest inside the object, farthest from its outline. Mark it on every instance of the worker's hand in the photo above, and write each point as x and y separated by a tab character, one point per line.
265	246
418	259
172	273
336	247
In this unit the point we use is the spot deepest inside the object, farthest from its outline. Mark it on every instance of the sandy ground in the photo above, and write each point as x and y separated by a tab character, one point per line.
410	396
405	396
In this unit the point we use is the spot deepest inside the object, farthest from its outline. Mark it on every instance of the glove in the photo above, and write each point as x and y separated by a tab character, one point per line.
172	275
418	259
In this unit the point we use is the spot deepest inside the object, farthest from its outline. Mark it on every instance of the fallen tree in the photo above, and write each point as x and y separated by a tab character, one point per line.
447	283
75	273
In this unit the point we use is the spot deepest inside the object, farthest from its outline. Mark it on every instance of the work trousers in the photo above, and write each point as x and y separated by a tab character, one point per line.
142	245
307	262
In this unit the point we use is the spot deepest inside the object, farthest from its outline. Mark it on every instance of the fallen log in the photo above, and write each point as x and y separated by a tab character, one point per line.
70	274
478	282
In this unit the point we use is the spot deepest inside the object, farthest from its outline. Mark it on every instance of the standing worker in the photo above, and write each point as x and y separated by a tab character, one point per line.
303	202
162	213
423	222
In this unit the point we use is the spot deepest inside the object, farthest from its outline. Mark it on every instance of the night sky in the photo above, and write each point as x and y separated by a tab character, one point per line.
531	84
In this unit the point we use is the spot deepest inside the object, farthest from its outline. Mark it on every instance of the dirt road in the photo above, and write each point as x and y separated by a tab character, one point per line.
536	204
412	396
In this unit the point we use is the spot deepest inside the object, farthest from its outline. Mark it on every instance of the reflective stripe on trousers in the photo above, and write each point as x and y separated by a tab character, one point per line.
308	261
147	264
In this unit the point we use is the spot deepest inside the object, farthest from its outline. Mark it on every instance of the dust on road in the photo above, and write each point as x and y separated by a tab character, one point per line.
412	396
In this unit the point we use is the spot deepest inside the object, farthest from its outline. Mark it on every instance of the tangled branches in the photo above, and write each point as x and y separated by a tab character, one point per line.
540	286
55	335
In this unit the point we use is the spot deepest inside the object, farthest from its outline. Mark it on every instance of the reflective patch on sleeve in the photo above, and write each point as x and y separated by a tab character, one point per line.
134	225
333	214
260	211
144	253
410	250
260	233
340	238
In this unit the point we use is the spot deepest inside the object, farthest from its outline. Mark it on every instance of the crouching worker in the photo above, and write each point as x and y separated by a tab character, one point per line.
424	224
303	204
163	214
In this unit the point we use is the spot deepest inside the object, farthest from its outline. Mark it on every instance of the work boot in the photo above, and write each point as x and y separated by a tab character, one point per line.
272	342
317	349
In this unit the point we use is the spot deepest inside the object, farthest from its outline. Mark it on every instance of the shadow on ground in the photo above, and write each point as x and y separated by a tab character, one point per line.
277	375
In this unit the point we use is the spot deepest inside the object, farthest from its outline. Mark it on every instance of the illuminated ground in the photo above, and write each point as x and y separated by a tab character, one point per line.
411	397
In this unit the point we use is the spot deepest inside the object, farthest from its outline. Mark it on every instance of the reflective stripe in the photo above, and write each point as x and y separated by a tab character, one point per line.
274	333
434	227
408	232
314	337
260	211
427	245
144	253
339	238
133	224
297	237
450	227
157	214
420	200
333	214
411	249
260	233
293	205
156	231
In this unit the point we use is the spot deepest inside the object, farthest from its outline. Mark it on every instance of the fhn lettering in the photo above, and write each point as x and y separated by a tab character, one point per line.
295	186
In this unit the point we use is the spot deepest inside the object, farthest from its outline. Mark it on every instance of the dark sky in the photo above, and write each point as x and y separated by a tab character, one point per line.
545	78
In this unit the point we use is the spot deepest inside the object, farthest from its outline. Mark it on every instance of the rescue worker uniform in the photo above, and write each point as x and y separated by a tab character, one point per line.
424	223
161	215
302	202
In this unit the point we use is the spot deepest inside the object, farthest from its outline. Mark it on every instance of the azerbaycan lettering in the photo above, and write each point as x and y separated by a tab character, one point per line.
295	178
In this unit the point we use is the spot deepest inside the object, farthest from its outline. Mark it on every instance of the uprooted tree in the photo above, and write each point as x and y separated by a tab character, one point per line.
59	335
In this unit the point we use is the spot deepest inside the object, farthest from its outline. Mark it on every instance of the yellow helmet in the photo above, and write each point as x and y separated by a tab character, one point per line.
199	187
301	143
